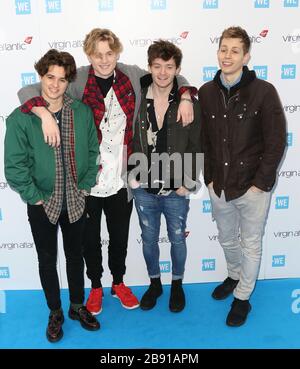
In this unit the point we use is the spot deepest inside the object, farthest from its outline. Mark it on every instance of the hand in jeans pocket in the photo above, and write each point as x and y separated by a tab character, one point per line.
134	184
255	189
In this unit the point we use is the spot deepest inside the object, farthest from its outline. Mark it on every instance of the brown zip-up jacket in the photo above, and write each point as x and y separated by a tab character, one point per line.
243	134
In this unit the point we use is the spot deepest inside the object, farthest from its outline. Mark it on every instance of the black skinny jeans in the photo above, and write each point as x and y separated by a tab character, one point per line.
117	211
45	238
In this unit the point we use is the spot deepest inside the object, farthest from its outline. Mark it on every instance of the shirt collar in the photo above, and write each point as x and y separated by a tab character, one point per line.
229	85
172	94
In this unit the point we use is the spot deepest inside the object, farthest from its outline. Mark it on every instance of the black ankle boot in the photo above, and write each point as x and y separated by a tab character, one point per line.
238	312
177	297
149	298
223	290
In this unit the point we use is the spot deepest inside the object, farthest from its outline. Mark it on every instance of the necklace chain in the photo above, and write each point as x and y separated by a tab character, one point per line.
57	115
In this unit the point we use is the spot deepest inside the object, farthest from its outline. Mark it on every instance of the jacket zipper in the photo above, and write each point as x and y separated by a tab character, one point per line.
224	99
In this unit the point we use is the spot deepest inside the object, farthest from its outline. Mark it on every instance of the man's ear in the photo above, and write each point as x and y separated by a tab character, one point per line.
246	58
178	71
149	68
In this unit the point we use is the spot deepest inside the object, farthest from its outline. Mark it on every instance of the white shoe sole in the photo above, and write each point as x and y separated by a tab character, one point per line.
124	306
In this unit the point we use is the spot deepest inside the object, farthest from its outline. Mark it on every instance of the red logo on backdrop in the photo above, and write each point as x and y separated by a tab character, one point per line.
264	32
28	40
186	233
184	34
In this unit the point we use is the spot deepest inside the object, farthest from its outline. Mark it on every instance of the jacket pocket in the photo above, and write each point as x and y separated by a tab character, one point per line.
253	115
246	171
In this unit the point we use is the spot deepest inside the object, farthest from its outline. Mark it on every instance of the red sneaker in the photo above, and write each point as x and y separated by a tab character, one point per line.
94	302
125	295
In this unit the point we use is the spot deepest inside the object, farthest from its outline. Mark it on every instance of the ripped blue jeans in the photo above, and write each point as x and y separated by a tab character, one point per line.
175	209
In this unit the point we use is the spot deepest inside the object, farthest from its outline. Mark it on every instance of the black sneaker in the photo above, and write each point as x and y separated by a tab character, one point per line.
54	330
224	289
238	313
86	319
149	298
177	297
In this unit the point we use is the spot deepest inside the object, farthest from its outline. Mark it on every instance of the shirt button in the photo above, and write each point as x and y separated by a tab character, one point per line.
225	116
226	163
241	162
224	139
213	117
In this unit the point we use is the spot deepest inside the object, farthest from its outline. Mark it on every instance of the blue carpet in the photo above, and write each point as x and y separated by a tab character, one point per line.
271	323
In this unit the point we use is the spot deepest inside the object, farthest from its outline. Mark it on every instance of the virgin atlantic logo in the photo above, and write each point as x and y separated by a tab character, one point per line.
255	39
142	42
28	40
264	32
16	46
184	34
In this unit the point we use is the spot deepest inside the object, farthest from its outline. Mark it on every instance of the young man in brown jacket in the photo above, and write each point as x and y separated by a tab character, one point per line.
244	138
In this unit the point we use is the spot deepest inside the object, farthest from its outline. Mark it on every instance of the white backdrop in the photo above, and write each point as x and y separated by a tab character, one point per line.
28	28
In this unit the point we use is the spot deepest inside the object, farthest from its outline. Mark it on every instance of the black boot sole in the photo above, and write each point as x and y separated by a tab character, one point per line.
53	340
176	310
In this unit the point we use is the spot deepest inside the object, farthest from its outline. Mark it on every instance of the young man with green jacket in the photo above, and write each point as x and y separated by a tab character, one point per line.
54	182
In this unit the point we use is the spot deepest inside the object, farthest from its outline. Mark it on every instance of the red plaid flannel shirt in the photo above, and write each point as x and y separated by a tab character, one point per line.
193	91
35	101
123	89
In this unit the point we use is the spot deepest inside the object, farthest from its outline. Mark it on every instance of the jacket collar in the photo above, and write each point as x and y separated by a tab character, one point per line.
247	77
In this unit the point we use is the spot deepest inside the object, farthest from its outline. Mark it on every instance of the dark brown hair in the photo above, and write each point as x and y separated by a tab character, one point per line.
164	50
237	32
60	58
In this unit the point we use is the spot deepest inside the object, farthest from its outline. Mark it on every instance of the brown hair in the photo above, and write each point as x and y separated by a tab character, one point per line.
60	58
237	32
164	50
101	34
